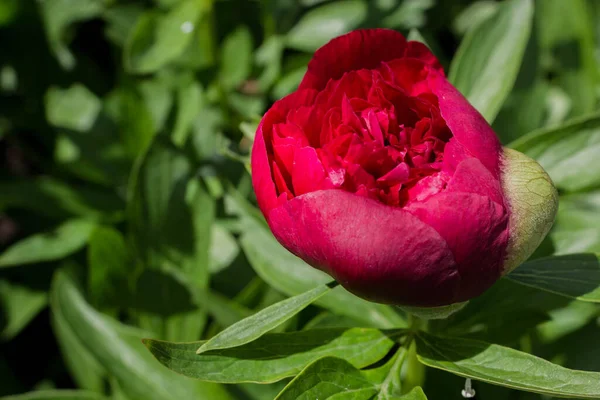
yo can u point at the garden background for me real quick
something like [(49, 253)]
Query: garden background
[(126, 206)]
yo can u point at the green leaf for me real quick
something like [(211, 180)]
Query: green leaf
[(171, 217), (75, 108), (206, 136), (486, 64), (566, 38), (120, 351), (53, 198), (503, 314), (83, 366), (574, 275), (528, 106), (566, 320), (120, 21), (88, 143), (415, 394), (174, 315), (321, 24), (189, 102), (416, 36), (289, 82), (136, 123), (274, 356), (269, 56), (329, 378), (263, 321), (408, 15), (223, 248), (569, 153), (389, 376), (66, 239), (171, 214), (473, 15), (158, 39), (110, 266), (58, 16), (290, 275), (159, 98), (236, 58), (576, 227), (57, 395), (9, 9), (335, 378), (505, 367), (19, 304)]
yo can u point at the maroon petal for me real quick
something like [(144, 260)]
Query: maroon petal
[(262, 177), (468, 126), (472, 177), (421, 52), (381, 253), (476, 230), (361, 49)]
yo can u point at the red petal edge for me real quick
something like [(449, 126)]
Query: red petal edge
[(362, 49), (380, 253)]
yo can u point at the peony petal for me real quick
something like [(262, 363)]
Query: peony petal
[(382, 253), (308, 173), (407, 73), (421, 52), (360, 49), (262, 179), (427, 187), (280, 182), (476, 230), (454, 154), (262, 176), (472, 177), (400, 174), (468, 127)]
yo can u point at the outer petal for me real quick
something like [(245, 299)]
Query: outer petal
[(468, 126), (362, 49), (476, 230), (421, 52), (381, 253), (262, 177), (472, 177)]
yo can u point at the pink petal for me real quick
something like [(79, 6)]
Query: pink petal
[(476, 230), (399, 174), (262, 177), (280, 182), (378, 252), (308, 174), (421, 52), (472, 177), (262, 180), (360, 49), (468, 126)]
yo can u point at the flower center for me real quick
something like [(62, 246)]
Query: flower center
[(374, 139)]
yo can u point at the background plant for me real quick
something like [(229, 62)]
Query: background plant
[(126, 209)]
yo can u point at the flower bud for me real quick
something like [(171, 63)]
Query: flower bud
[(380, 173)]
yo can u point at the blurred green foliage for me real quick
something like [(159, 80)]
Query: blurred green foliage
[(126, 203)]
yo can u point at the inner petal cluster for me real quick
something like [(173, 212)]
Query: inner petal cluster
[(376, 133)]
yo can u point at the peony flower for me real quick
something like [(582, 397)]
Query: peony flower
[(380, 173)]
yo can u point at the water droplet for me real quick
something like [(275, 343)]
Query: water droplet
[(187, 27)]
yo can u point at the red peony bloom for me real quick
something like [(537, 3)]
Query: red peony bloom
[(380, 173)]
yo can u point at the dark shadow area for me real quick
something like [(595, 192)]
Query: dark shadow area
[(572, 275)]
